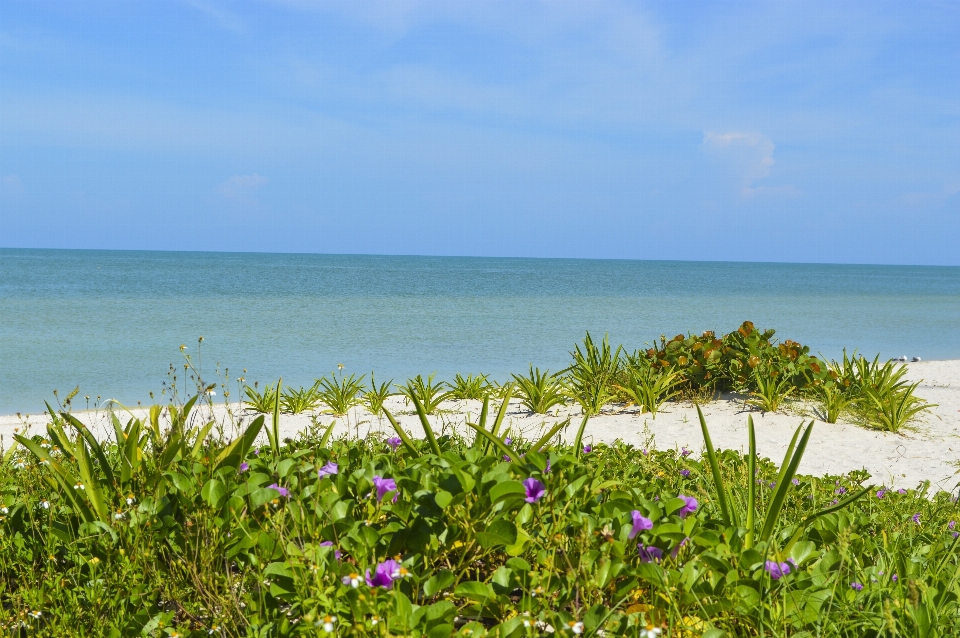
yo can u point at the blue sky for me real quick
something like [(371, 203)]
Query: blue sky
[(767, 131)]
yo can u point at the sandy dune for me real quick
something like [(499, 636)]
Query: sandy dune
[(928, 451)]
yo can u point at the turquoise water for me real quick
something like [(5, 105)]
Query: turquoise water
[(113, 321)]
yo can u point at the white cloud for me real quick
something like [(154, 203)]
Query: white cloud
[(241, 185), (749, 158)]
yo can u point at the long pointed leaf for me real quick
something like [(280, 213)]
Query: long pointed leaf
[(61, 478), (578, 442), (275, 426), (477, 440), (751, 485), (715, 470), (237, 450), (403, 435), (776, 504), (327, 434), (513, 456), (827, 510), (94, 444), (502, 412), (538, 446), (425, 422)]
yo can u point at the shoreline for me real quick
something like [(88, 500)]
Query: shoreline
[(928, 451)]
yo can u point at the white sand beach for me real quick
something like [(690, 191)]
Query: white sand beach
[(929, 450)]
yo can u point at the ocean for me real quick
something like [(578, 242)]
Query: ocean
[(112, 322)]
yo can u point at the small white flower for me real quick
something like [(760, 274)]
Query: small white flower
[(328, 623), (211, 393), (35, 613), (79, 486), (4, 510), (650, 632), (375, 620), (131, 500), (353, 580), (118, 516), (526, 623), (45, 504), (575, 627)]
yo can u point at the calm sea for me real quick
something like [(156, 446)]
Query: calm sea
[(112, 322)]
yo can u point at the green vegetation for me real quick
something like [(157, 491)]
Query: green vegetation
[(540, 391), (164, 530), (469, 387), (425, 393)]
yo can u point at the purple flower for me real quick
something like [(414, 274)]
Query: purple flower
[(508, 441), (916, 518), (684, 473), (901, 491), (881, 492), (795, 481), (394, 442), (283, 491), (244, 467), (336, 552), (649, 554), (840, 490), (385, 486), (777, 570), (535, 490), (548, 470), (640, 523), (587, 449), (894, 578), (951, 525), (506, 458), (689, 508), (684, 452), (645, 452), (384, 574), (856, 586), (256, 452), (329, 469)]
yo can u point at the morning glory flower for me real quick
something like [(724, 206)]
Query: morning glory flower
[(901, 491), (394, 442), (534, 489), (283, 491), (640, 523), (649, 554), (689, 507), (385, 486), (587, 449), (384, 574), (684, 473), (676, 550), (776, 570), (329, 469), (508, 441), (244, 467), (881, 492)]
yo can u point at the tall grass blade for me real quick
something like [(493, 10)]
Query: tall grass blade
[(477, 439), (91, 440), (233, 454)]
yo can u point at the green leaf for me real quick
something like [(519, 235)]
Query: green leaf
[(438, 582), (213, 493), (507, 489), (480, 592), (500, 533), (443, 499)]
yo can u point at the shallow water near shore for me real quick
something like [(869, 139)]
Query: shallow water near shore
[(112, 321)]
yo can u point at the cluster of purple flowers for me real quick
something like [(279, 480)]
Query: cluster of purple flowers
[(394, 442), (384, 574)]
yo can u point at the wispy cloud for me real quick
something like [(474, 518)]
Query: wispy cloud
[(240, 186)]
